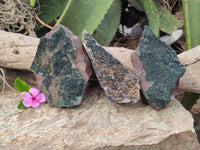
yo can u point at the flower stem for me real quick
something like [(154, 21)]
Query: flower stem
[(64, 12), (36, 16), (32, 2)]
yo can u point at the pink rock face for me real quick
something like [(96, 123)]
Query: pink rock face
[(139, 70), (81, 61), (140, 73)]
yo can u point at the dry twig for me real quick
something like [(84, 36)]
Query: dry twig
[(3, 78)]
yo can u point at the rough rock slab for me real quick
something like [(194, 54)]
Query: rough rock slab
[(119, 83), (62, 67), (96, 124), (158, 68)]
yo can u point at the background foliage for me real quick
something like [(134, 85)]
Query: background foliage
[(192, 32), (101, 18)]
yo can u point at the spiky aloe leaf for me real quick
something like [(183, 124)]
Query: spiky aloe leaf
[(84, 14), (152, 15), (137, 4), (151, 12), (168, 22), (108, 27)]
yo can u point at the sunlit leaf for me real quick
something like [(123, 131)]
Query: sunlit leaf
[(85, 15), (21, 86), (108, 27)]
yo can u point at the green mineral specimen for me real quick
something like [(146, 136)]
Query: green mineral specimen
[(61, 67), (119, 83), (162, 69)]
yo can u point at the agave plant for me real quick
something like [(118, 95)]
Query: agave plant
[(101, 18)]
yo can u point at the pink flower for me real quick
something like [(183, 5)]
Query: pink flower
[(33, 99)]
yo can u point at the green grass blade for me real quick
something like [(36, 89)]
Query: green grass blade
[(64, 12), (192, 13), (192, 32), (185, 12)]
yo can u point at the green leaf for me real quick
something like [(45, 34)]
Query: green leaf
[(108, 27), (21, 86), (51, 9), (152, 14), (21, 105), (168, 22), (137, 4), (85, 14)]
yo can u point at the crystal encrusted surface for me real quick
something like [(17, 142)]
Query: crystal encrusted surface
[(119, 83), (160, 71), (57, 74)]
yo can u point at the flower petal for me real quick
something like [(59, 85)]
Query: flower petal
[(41, 98), (27, 103), (26, 96), (35, 104), (34, 91)]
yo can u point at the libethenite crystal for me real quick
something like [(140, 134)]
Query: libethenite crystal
[(62, 68), (119, 83), (158, 68)]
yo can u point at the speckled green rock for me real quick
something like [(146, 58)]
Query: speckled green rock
[(158, 69), (119, 83), (62, 67)]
